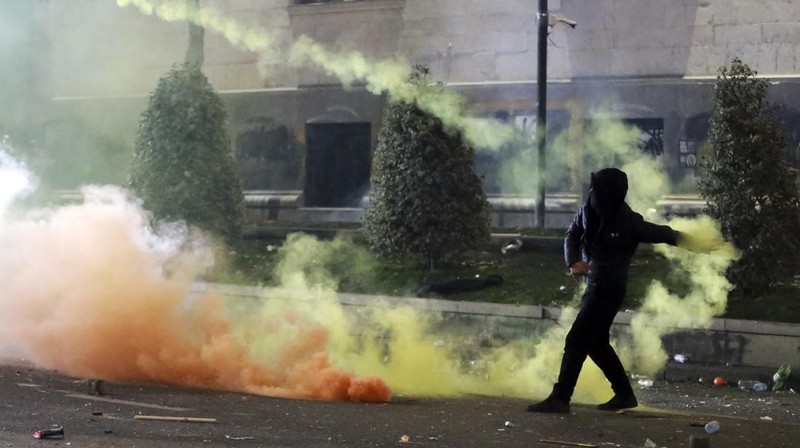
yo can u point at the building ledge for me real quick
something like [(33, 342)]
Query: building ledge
[(344, 6)]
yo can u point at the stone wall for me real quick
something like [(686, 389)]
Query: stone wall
[(496, 41), (99, 49)]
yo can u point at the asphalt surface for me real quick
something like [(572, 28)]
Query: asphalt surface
[(672, 412)]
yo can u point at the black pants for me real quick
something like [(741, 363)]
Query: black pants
[(589, 336)]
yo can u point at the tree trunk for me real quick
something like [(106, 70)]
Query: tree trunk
[(194, 53)]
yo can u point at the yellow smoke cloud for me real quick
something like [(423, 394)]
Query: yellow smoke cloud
[(391, 76), (409, 348), (404, 346), (251, 38), (703, 257)]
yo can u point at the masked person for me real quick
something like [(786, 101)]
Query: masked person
[(598, 248)]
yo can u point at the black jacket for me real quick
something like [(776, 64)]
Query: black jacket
[(606, 232)]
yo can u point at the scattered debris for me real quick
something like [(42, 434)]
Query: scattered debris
[(755, 385), (508, 424), (97, 413), (781, 375), (646, 383), (720, 381), (405, 439), (561, 442), (649, 444), (165, 418), (238, 438), (511, 247), (681, 358), (712, 427), (766, 418), (49, 433), (108, 431)]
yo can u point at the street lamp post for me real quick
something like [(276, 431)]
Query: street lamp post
[(541, 115)]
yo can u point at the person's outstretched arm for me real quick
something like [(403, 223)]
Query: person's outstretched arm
[(647, 232), (654, 234)]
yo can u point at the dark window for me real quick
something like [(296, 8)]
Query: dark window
[(651, 140), (269, 156)]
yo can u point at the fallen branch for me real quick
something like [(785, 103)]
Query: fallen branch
[(165, 418)]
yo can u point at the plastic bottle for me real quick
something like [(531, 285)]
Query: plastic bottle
[(780, 376), (746, 384), (759, 387), (712, 427)]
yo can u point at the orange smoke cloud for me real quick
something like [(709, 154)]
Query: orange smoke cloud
[(88, 291)]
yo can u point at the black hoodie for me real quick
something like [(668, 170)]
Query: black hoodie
[(606, 232)]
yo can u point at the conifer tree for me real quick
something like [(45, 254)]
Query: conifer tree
[(426, 198), (183, 166), (748, 183)]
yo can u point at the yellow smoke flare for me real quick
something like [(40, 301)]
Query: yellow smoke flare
[(663, 312)]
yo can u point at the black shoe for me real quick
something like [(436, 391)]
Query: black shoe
[(550, 405), (619, 402)]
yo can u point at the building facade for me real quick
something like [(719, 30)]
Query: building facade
[(651, 63)]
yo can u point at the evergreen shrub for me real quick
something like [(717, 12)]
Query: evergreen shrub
[(183, 166), (749, 184), (426, 199)]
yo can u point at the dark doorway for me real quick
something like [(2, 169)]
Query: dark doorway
[(337, 163)]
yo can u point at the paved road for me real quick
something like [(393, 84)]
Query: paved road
[(35, 399)]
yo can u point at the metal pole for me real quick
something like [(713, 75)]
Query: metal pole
[(541, 115)]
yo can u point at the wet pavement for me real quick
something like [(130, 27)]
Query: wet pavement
[(672, 413)]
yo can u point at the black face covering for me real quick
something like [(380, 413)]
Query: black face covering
[(607, 192)]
